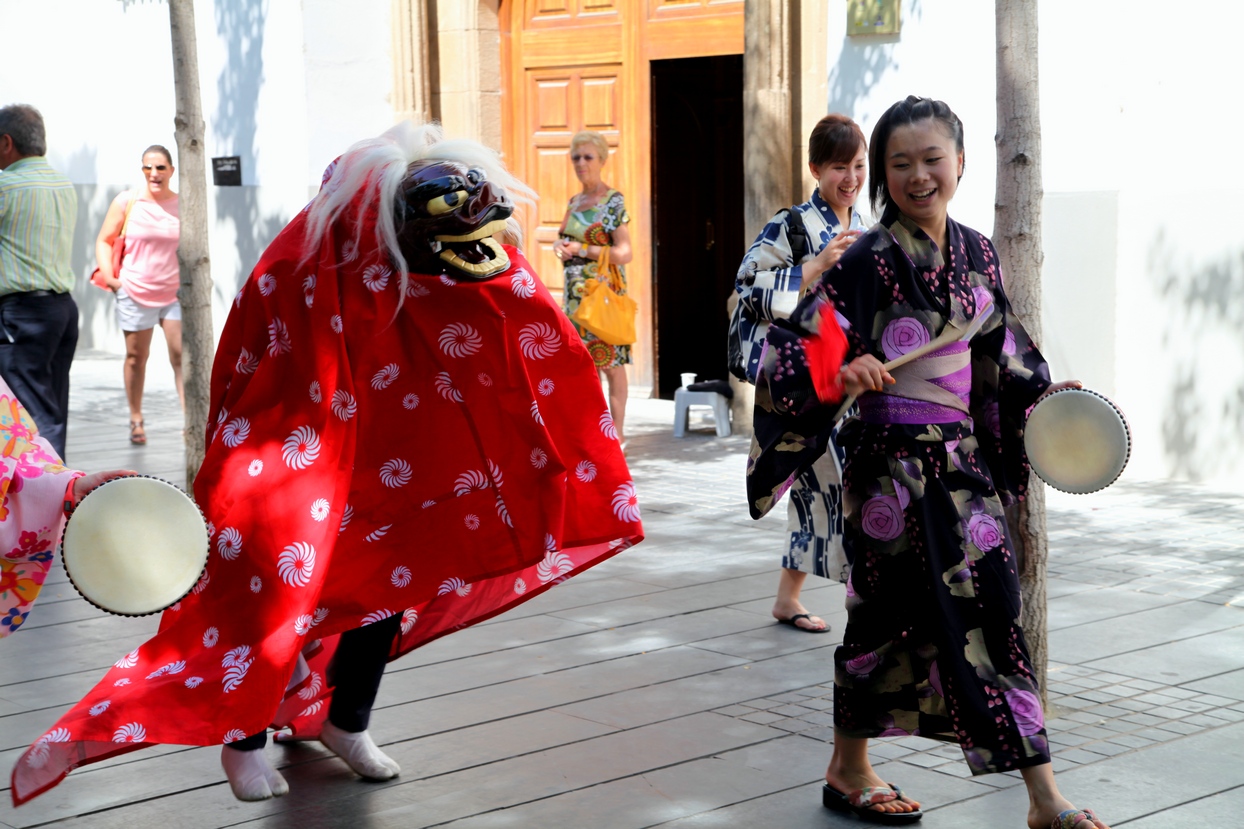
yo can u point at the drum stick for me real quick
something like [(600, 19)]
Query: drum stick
[(950, 334)]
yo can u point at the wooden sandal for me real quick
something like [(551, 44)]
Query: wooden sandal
[(138, 435)]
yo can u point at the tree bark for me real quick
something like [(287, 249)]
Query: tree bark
[(195, 294), (1017, 236)]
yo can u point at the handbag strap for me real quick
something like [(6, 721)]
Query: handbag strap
[(128, 209)]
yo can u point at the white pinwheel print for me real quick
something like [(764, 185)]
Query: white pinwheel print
[(553, 566), (229, 543), (375, 616), (384, 378), (607, 427), (125, 680), (460, 340), (545, 387), (484, 380), (539, 458), (409, 617), (336, 323), (256, 584), (470, 480), (410, 401), (395, 473), (38, 756), (167, 670), (344, 404), (447, 281), (133, 732), (236, 663), (376, 277), (314, 391), (346, 518), (235, 432), (267, 284), (312, 709), (539, 340), (313, 687), (415, 290), (320, 509), (472, 521), (210, 637), (400, 576), (520, 586), (523, 284), (193, 681), (585, 471), (503, 513), (301, 448), (296, 563), (535, 413), (626, 503), (127, 661), (255, 468), (452, 585), (445, 387), (303, 624), (378, 533), (233, 735), (247, 363), (99, 708), (550, 543), (308, 290), (279, 341), (495, 472)]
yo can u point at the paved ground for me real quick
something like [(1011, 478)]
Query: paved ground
[(655, 690)]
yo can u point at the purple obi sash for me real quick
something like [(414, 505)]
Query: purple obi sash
[(930, 389)]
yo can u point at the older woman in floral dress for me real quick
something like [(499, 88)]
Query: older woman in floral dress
[(596, 220)]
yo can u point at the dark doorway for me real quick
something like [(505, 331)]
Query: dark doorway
[(697, 212)]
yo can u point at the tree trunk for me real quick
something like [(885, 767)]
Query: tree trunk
[(195, 294), (1017, 235)]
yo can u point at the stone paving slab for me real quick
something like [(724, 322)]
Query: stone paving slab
[(657, 690)]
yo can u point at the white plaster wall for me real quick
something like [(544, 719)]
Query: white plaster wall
[(285, 85), (1144, 273)]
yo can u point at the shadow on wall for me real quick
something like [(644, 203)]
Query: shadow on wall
[(97, 319), (240, 24), (1203, 420), (862, 63)]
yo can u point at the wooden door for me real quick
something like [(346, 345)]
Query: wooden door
[(570, 65)]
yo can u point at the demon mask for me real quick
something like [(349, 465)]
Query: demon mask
[(447, 215)]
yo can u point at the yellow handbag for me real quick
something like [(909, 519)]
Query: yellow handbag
[(604, 312)]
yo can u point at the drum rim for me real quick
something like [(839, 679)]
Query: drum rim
[(65, 564), (1127, 431)]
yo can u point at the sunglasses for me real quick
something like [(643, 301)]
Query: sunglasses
[(159, 168)]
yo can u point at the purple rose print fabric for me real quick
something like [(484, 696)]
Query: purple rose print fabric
[(932, 646)]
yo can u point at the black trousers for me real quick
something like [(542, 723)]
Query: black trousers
[(354, 672), (38, 334)]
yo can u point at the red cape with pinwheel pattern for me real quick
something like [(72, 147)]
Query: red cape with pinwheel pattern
[(446, 458)]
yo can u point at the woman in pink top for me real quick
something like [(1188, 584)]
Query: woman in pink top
[(146, 287)]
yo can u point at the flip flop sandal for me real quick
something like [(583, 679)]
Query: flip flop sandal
[(138, 435), (859, 801), (1068, 818), (793, 619)]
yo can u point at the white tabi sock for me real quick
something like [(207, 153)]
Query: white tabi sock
[(251, 776), (359, 752)]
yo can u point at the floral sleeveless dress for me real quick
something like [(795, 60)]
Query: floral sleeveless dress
[(594, 225)]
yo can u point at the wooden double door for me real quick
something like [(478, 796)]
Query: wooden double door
[(572, 65)]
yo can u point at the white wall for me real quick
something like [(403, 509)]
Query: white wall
[(1144, 271), (285, 85)]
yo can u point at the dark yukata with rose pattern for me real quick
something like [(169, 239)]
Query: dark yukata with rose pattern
[(933, 645)]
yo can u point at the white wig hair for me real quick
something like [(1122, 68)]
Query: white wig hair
[(375, 169)]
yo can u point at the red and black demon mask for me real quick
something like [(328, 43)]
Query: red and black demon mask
[(447, 214)]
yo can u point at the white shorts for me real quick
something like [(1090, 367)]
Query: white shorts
[(134, 317)]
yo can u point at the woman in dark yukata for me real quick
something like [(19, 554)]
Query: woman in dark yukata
[(933, 645)]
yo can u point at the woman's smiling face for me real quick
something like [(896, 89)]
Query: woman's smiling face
[(922, 170), (839, 182)]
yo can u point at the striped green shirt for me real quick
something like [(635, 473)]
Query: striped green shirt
[(38, 209)]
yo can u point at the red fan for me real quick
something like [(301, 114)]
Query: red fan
[(825, 351)]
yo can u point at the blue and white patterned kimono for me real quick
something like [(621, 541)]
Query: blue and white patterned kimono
[(768, 288)]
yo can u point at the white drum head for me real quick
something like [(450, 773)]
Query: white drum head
[(1077, 441), (135, 546)]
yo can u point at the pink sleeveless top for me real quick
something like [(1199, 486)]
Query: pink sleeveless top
[(149, 271)]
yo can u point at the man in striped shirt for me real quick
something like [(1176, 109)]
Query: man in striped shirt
[(38, 317)]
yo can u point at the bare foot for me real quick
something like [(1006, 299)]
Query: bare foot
[(849, 781), (1042, 816), (788, 610)]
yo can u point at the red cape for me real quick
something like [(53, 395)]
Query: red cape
[(446, 459)]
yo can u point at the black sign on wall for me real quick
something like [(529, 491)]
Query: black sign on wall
[(227, 171)]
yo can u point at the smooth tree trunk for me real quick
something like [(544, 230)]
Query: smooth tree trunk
[(1017, 235), (195, 294)]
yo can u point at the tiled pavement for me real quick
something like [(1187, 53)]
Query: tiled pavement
[(655, 690)]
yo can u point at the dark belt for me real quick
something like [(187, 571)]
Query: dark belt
[(17, 294)]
